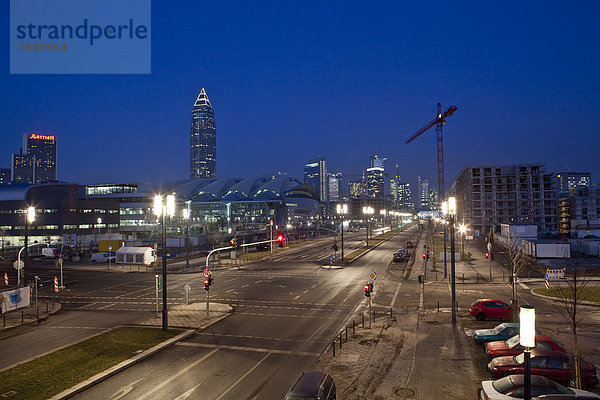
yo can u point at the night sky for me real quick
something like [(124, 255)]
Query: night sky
[(292, 80)]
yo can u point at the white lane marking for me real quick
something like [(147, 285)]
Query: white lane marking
[(296, 298), (106, 306), (187, 394), (244, 348), (524, 286), (395, 294), (183, 371), (124, 390), (245, 286), (243, 376)]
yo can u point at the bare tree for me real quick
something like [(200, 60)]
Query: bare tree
[(517, 262), (215, 238), (569, 297)]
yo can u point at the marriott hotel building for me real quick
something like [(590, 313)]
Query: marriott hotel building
[(36, 161)]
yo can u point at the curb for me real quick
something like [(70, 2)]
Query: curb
[(374, 247), (120, 367), (551, 298)]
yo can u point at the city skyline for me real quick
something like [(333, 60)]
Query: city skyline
[(518, 102)]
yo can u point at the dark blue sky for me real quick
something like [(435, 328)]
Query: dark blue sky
[(292, 80)]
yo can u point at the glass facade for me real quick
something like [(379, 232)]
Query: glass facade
[(203, 139), (315, 173)]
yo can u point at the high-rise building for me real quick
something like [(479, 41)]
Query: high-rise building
[(357, 188), (424, 194), (375, 181), (405, 201), (4, 175), (487, 196), (567, 182), (37, 161), (203, 139), (315, 173), (335, 186), (376, 162)]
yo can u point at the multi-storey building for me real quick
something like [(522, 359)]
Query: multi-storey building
[(567, 182), (357, 188), (5, 175), (375, 182), (37, 161), (315, 173), (488, 196), (580, 212), (424, 191), (335, 186), (203, 139)]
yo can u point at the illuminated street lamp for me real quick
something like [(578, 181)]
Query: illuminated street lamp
[(445, 215), (186, 218), (452, 214), (527, 340), (342, 209), (368, 211), (99, 221), (29, 219), (163, 211), (462, 229)]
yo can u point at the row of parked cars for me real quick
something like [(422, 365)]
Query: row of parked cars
[(552, 368), (402, 254)]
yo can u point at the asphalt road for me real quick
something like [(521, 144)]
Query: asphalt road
[(286, 313)]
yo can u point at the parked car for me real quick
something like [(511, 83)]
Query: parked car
[(103, 257), (555, 365), (503, 331), (50, 252), (491, 309), (409, 244), (312, 385), (511, 347), (512, 387)]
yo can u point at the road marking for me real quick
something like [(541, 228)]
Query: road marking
[(245, 286), (395, 294), (124, 390), (243, 376), (245, 348), (106, 306), (296, 298), (524, 286), (183, 371), (306, 291)]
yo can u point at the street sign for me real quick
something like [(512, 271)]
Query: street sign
[(206, 273), (19, 264), (372, 275), (555, 273)]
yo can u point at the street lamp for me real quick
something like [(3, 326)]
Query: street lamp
[(527, 340), (99, 220), (462, 229), (163, 211), (29, 219), (445, 213), (452, 213), (368, 211), (186, 217), (342, 209)]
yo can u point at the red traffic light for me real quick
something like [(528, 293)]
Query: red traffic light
[(487, 255), (368, 290), (206, 282), (425, 255), (280, 238)]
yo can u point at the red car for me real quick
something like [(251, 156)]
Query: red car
[(491, 308), (409, 244), (511, 347), (555, 365)]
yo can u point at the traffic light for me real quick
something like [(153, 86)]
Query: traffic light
[(233, 242), (368, 290), (428, 256), (280, 240), (371, 287), (207, 282), (424, 255), (487, 254), (335, 246)]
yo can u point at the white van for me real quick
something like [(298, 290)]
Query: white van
[(103, 257), (49, 252)]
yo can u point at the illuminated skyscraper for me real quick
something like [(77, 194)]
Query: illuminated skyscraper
[(37, 161), (315, 173), (335, 186), (203, 139), (375, 184)]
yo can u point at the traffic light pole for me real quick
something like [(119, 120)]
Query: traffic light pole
[(453, 269), (165, 323)]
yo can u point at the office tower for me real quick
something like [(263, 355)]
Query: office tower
[(375, 182), (203, 139), (335, 186), (405, 202), (315, 173), (424, 194), (487, 196), (37, 161), (567, 182), (357, 188), (376, 162)]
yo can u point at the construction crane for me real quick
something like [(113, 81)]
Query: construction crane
[(439, 121)]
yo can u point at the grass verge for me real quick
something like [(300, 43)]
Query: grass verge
[(51, 374), (588, 293)]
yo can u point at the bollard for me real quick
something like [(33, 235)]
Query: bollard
[(3, 320), (391, 312), (46, 307), (333, 347), (477, 277), (22, 317), (436, 276), (353, 331), (463, 278), (438, 307), (363, 320), (374, 312), (346, 334), (340, 340)]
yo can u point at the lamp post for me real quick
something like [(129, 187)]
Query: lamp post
[(368, 211), (99, 221), (163, 211), (452, 213), (444, 220), (29, 219), (186, 217), (462, 229), (342, 209), (527, 340)]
